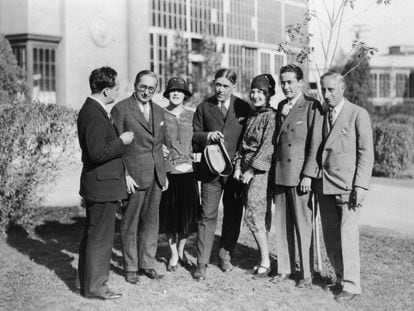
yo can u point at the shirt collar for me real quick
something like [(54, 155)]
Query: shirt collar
[(226, 103), (338, 107), (294, 100), (99, 102)]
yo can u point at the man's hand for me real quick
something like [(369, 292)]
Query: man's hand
[(247, 176), (166, 184), (237, 174), (305, 184), (214, 137), (356, 197), (131, 184), (165, 151), (127, 137)]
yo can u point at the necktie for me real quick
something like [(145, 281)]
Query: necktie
[(223, 110), (286, 109), (110, 118), (331, 117), (146, 112)]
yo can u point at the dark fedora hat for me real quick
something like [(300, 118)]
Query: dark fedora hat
[(217, 159), (177, 84)]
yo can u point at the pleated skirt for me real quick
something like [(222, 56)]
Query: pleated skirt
[(180, 205)]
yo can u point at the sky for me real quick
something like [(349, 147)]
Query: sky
[(382, 25)]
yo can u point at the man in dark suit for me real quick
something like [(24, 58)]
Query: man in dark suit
[(102, 182), (146, 176), (346, 158), (221, 117), (295, 166)]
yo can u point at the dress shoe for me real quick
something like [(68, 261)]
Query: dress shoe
[(200, 272), (304, 283), (280, 278), (224, 260), (345, 296), (183, 261), (150, 273), (131, 277), (261, 272), (108, 295)]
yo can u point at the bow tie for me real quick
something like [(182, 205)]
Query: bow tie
[(286, 108)]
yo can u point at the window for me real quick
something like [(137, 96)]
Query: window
[(240, 20), (401, 85), (243, 61), (36, 54), (206, 17), (264, 63), (384, 85), (170, 14), (374, 85), (269, 18), (159, 57), (278, 63)]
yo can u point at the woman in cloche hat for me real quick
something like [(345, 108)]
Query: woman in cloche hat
[(180, 205), (254, 158)]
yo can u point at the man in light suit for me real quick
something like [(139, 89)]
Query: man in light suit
[(146, 176), (346, 158), (102, 182), (221, 117), (295, 166)]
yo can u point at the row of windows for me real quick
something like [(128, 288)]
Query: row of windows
[(159, 57), (207, 17), (382, 84)]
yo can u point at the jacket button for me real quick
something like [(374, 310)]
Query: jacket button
[(290, 145), (289, 160)]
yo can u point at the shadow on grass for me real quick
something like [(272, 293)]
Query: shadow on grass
[(50, 245)]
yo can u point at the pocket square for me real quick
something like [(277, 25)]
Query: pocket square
[(162, 123), (299, 122)]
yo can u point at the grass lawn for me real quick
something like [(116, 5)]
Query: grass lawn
[(37, 272)]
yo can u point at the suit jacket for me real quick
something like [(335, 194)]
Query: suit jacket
[(144, 156), (102, 177), (295, 145), (346, 157), (208, 118)]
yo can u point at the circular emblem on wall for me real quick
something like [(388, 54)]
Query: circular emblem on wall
[(100, 31)]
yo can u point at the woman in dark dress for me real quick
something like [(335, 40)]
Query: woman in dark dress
[(180, 203), (254, 158)]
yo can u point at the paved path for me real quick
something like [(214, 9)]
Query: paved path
[(386, 206)]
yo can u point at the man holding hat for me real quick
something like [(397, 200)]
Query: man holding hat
[(219, 118)]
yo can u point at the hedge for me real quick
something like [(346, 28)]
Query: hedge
[(35, 141), (393, 145)]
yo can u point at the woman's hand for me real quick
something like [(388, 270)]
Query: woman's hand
[(247, 176)]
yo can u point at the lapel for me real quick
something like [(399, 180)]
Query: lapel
[(157, 118), (214, 110), (340, 123), (137, 113), (231, 112), (295, 111)]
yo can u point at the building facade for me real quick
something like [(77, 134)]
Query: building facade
[(392, 76), (58, 43)]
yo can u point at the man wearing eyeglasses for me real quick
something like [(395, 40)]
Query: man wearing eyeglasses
[(145, 176)]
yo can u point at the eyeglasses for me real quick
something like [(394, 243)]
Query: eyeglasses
[(143, 88)]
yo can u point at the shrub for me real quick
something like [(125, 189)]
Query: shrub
[(35, 141), (11, 75), (393, 144)]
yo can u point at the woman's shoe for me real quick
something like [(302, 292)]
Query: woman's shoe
[(183, 261), (261, 272), (171, 268)]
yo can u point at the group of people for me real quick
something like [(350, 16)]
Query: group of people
[(138, 157)]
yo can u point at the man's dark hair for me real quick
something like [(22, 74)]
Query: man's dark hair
[(226, 73), (102, 78), (292, 68), (144, 73)]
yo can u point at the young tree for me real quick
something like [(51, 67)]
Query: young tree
[(178, 63), (357, 76), (328, 22)]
